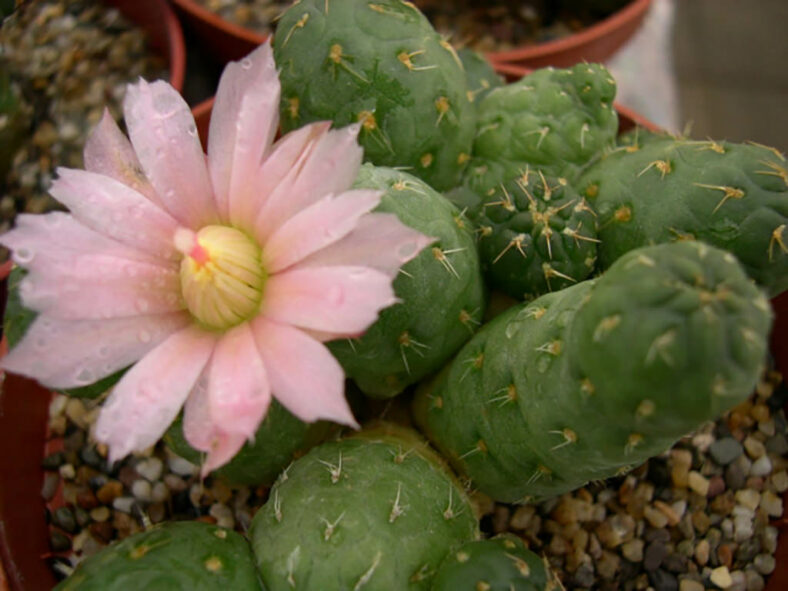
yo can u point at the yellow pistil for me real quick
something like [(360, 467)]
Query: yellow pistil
[(222, 277)]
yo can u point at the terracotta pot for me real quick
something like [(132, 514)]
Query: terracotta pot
[(228, 41), (225, 41), (594, 44), (164, 32)]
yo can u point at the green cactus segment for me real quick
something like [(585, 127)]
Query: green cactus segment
[(502, 563), (372, 512), (583, 383), (536, 234), (380, 64), (177, 556), (441, 292), (479, 73), (555, 120), (733, 196), (279, 439)]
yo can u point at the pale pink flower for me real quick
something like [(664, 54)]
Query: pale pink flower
[(220, 277)]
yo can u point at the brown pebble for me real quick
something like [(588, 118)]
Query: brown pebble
[(754, 483), (127, 476), (206, 519), (85, 473), (86, 499), (723, 504), (500, 519), (667, 510), (725, 555), (109, 492), (102, 531), (760, 412), (565, 512), (702, 552), (558, 546), (701, 522), (608, 564), (522, 517), (580, 539), (716, 486)]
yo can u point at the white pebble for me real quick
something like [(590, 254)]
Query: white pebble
[(772, 504), (761, 467), (223, 515), (742, 527), (141, 489), (174, 482), (181, 466), (58, 406), (150, 468), (123, 504), (721, 577), (780, 481), (67, 471), (160, 492), (748, 498)]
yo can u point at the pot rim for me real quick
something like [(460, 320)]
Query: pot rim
[(633, 11)]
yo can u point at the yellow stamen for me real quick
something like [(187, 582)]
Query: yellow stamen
[(222, 277)]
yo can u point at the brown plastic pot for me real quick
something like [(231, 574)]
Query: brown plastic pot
[(597, 43), (226, 41), (164, 32)]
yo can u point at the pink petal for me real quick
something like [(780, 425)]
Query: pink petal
[(304, 375), (117, 211), (40, 242), (72, 353), (379, 240), (330, 167), (329, 299), (201, 432), (164, 136), (238, 387), (315, 227), (244, 121), (95, 286), (109, 152), (148, 398)]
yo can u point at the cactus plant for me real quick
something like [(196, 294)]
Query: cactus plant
[(479, 73), (376, 511), (659, 189), (178, 556), (382, 65), (279, 439), (555, 120), (536, 234), (584, 383), (441, 292), (502, 563)]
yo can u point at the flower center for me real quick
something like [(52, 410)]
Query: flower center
[(222, 278)]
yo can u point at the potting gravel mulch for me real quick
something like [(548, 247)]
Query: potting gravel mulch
[(67, 61), (481, 25), (701, 515)]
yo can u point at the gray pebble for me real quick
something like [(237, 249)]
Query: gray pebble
[(150, 468), (737, 471), (181, 466), (764, 563), (761, 467), (141, 489), (675, 563), (64, 518), (725, 450), (778, 444), (124, 504), (755, 580), (59, 542), (584, 576), (49, 488), (662, 580), (654, 555)]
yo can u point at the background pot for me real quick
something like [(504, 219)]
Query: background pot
[(224, 40), (228, 41), (594, 44), (163, 29)]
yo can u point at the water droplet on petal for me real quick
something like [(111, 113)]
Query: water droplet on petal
[(41, 343), (23, 255), (103, 351), (246, 63), (144, 336), (192, 130), (85, 376)]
